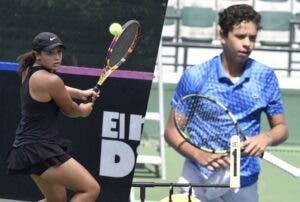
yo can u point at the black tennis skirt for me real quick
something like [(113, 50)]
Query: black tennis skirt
[(35, 158)]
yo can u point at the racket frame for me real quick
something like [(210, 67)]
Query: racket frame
[(185, 136), (107, 69), (267, 156)]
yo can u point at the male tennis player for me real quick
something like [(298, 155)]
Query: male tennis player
[(247, 88)]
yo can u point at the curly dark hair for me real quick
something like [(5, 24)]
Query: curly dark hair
[(235, 14)]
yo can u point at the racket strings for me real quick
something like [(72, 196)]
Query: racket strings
[(207, 124), (124, 43)]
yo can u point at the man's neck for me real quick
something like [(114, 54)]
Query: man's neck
[(233, 69)]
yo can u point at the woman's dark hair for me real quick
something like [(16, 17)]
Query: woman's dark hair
[(25, 60), (235, 14)]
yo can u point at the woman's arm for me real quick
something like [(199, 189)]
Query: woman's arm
[(76, 93), (45, 86)]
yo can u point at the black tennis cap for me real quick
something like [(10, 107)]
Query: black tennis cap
[(46, 41)]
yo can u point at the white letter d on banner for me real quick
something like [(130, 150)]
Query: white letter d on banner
[(117, 159)]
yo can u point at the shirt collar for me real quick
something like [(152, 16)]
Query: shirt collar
[(222, 74)]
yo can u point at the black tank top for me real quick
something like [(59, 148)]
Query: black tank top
[(39, 119)]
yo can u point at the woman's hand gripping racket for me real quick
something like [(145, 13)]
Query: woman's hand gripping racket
[(120, 48), (211, 127)]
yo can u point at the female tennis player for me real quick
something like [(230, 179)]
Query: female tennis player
[(38, 150)]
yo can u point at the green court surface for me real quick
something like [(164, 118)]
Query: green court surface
[(274, 185)]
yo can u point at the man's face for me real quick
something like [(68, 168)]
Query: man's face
[(240, 41)]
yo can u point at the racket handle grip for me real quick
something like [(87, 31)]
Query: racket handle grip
[(96, 89)]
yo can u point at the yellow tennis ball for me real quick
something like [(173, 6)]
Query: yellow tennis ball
[(115, 29)]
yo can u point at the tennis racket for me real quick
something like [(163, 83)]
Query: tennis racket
[(209, 126), (120, 48)]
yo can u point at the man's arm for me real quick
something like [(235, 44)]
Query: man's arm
[(256, 145)]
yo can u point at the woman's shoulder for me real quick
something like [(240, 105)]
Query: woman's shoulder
[(45, 78)]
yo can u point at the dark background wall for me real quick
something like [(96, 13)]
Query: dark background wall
[(82, 25)]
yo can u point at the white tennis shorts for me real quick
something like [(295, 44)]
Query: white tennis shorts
[(190, 174)]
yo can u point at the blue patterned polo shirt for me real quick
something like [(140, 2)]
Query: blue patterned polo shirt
[(255, 92)]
